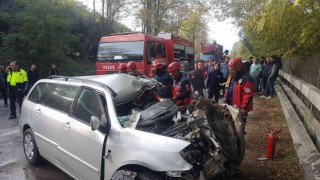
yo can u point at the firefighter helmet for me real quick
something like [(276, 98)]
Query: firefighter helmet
[(157, 64), (131, 65), (174, 66), (235, 63), (122, 67)]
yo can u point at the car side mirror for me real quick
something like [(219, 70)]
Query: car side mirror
[(94, 123)]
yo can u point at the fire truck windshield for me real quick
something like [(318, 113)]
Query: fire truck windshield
[(121, 51), (206, 56)]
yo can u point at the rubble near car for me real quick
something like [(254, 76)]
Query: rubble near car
[(215, 133)]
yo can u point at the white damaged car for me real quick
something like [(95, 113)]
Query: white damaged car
[(116, 127)]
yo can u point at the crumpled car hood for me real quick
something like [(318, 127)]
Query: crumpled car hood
[(125, 86)]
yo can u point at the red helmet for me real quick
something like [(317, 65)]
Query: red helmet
[(157, 64), (174, 66), (122, 67), (235, 63), (131, 65)]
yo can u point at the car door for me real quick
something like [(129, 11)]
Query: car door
[(49, 116), (80, 148)]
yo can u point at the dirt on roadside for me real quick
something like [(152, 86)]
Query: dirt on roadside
[(266, 116)]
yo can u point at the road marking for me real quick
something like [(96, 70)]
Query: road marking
[(9, 131)]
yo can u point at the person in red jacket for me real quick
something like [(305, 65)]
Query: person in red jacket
[(181, 90), (241, 88)]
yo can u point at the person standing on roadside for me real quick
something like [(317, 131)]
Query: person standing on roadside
[(225, 71), (255, 71), (197, 79), (247, 64), (3, 85), (215, 79), (240, 92), (265, 74), (17, 79), (274, 70), (33, 76), (54, 70)]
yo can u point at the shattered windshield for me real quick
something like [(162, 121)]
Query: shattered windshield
[(117, 51)]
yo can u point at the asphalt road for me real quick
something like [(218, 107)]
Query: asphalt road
[(13, 164)]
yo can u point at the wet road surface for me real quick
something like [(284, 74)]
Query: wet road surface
[(13, 164)]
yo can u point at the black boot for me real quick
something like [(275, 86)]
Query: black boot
[(12, 116)]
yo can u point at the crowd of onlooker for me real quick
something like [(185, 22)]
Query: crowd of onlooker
[(214, 76)]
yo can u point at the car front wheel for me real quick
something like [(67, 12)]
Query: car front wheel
[(30, 148)]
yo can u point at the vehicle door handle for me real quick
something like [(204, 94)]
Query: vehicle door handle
[(67, 124), (38, 111)]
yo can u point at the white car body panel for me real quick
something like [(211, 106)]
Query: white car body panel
[(77, 149)]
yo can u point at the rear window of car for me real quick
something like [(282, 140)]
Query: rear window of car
[(39, 91), (61, 97)]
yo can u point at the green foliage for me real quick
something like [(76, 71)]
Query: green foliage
[(276, 26), (48, 32)]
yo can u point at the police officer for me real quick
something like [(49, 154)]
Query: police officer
[(17, 79), (181, 90), (163, 77)]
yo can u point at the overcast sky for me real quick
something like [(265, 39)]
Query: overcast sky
[(224, 33)]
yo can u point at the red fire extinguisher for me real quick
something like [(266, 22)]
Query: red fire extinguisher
[(273, 143)]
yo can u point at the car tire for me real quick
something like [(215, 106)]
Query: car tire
[(30, 148)]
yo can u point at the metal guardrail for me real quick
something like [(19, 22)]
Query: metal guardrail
[(303, 126)]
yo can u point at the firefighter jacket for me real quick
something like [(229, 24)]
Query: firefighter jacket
[(17, 79), (166, 81), (181, 90), (242, 92)]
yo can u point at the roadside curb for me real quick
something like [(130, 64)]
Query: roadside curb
[(309, 157)]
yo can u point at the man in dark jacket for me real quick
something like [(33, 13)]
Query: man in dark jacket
[(197, 79), (54, 70), (3, 85), (163, 77), (33, 76), (215, 79), (247, 64), (265, 73), (274, 70)]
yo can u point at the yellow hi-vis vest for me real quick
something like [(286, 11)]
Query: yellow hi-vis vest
[(17, 78)]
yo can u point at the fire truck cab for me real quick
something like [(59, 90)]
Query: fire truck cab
[(143, 49)]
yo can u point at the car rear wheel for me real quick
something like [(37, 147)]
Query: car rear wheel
[(30, 148)]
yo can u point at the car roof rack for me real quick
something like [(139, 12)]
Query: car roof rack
[(66, 78)]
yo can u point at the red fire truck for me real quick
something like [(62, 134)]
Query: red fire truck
[(142, 49), (209, 52)]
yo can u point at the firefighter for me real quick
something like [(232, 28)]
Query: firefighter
[(132, 68), (240, 91), (122, 68), (163, 77), (181, 90), (17, 79)]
